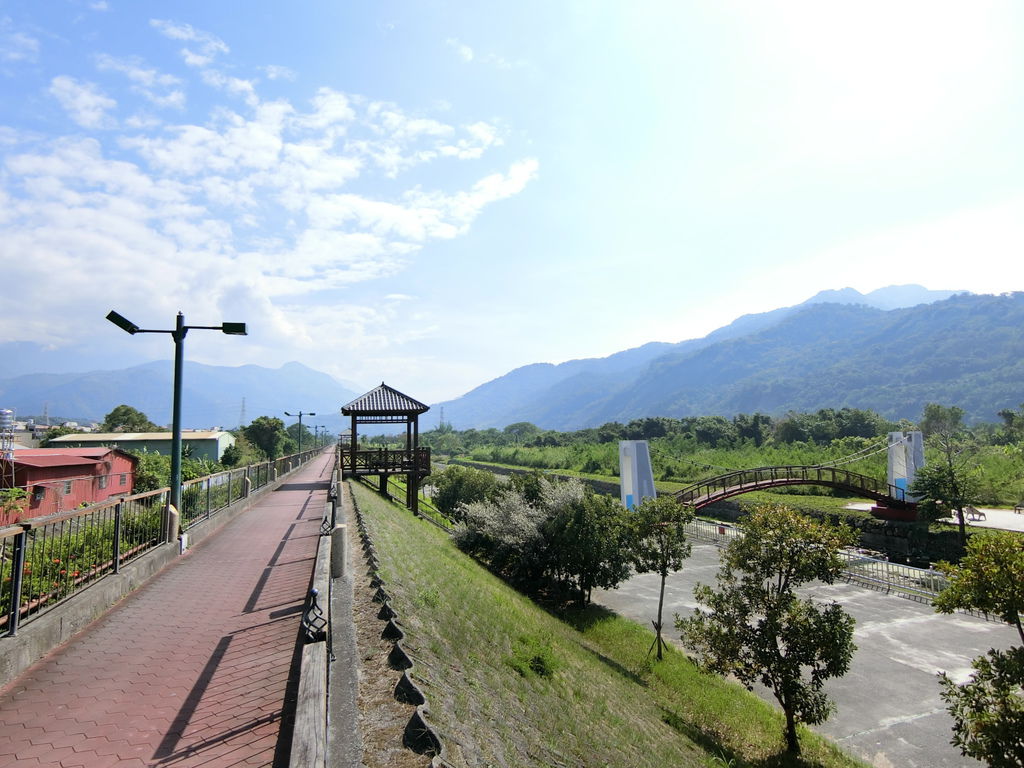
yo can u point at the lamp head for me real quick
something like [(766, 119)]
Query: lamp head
[(123, 322), (234, 329)]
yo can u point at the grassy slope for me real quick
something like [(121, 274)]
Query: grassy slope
[(607, 703)]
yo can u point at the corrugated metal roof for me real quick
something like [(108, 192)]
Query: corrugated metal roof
[(384, 400), (125, 437), (96, 452), (56, 460)]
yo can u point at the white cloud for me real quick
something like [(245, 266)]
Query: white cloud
[(100, 5), (159, 88), (463, 50), (16, 45), (233, 85), (84, 102), (259, 208), (276, 72), (209, 46)]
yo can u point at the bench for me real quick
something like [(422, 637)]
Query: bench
[(975, 514), (1019, 509)]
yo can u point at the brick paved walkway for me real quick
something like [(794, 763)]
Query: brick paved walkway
[(194, 668)]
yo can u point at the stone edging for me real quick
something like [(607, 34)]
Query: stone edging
[(419, 736)]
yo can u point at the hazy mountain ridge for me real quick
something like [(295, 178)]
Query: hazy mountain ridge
[(211, 395), (963, 349)]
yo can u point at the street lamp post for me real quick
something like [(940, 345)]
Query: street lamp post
[(178, 335), (300, 414), (323, 435)]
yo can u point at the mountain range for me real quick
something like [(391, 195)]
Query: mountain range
[(211, 395), (891, 351)]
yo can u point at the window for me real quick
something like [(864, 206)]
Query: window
[(38, 493), (67, 487), (103, 482), (123, 480)]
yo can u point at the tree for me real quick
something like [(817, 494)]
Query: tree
[(757, 628), (988, 710), (266, 433), (521, 432), (124, 418), (455, 486), (659, 545), (152, 471), (300, 434), (54, 432), (12, 504), (952, 483), (588, 537)]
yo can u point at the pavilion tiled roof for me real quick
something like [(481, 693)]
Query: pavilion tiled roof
[(384, 401)]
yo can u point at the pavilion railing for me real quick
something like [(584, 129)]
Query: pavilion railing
[(387, 460)]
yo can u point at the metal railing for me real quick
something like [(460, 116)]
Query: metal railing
[(204, 497), (45, 560), (745, 480), (919, 583)]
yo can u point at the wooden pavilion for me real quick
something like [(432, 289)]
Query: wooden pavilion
[(384, 405)]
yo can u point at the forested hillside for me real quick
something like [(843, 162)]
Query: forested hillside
[(967, 350)]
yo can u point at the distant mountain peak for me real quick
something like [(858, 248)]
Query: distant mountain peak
[(888, 297)]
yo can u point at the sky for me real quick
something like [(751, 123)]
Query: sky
[(433, 193)]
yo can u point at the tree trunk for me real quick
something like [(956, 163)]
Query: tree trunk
[(962, 520), (661, 602), (792, 743)]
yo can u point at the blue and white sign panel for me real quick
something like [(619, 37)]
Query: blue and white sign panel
[(635, 474)]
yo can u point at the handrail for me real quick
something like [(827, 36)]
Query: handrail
[(44, 560), (745, 480), (71, 514)]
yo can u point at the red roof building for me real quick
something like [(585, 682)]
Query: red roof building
[(59, 479)]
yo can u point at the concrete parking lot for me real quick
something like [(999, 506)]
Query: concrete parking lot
[(889, 709)]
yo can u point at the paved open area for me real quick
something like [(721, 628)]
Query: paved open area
[(889, 709), (197, 667)]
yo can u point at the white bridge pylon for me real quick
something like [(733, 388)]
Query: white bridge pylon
[(906, 456)]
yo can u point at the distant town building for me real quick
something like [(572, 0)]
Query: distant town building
[(59, 479), (194, 444)]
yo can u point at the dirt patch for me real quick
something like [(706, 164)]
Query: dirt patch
[(382, 719)]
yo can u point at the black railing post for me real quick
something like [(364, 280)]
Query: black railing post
[(17, 580), (116, 555), (229, 488), (209, 502)]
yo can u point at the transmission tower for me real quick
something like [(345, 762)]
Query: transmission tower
[(241, 415), (7, 442)]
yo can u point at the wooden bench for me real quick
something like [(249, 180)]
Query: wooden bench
[(1019, 509), (975, 514)]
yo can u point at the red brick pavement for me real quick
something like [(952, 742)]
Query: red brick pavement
[(194, 669)]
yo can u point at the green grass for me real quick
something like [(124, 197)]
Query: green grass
[(508, 683)]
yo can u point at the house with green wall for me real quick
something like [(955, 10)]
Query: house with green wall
[(195, 444)]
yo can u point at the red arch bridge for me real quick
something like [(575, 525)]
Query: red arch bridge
[(741, 481)]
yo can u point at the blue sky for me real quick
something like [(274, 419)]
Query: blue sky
[(433, 193)]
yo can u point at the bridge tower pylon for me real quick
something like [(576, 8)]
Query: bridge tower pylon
[(906, 456)]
